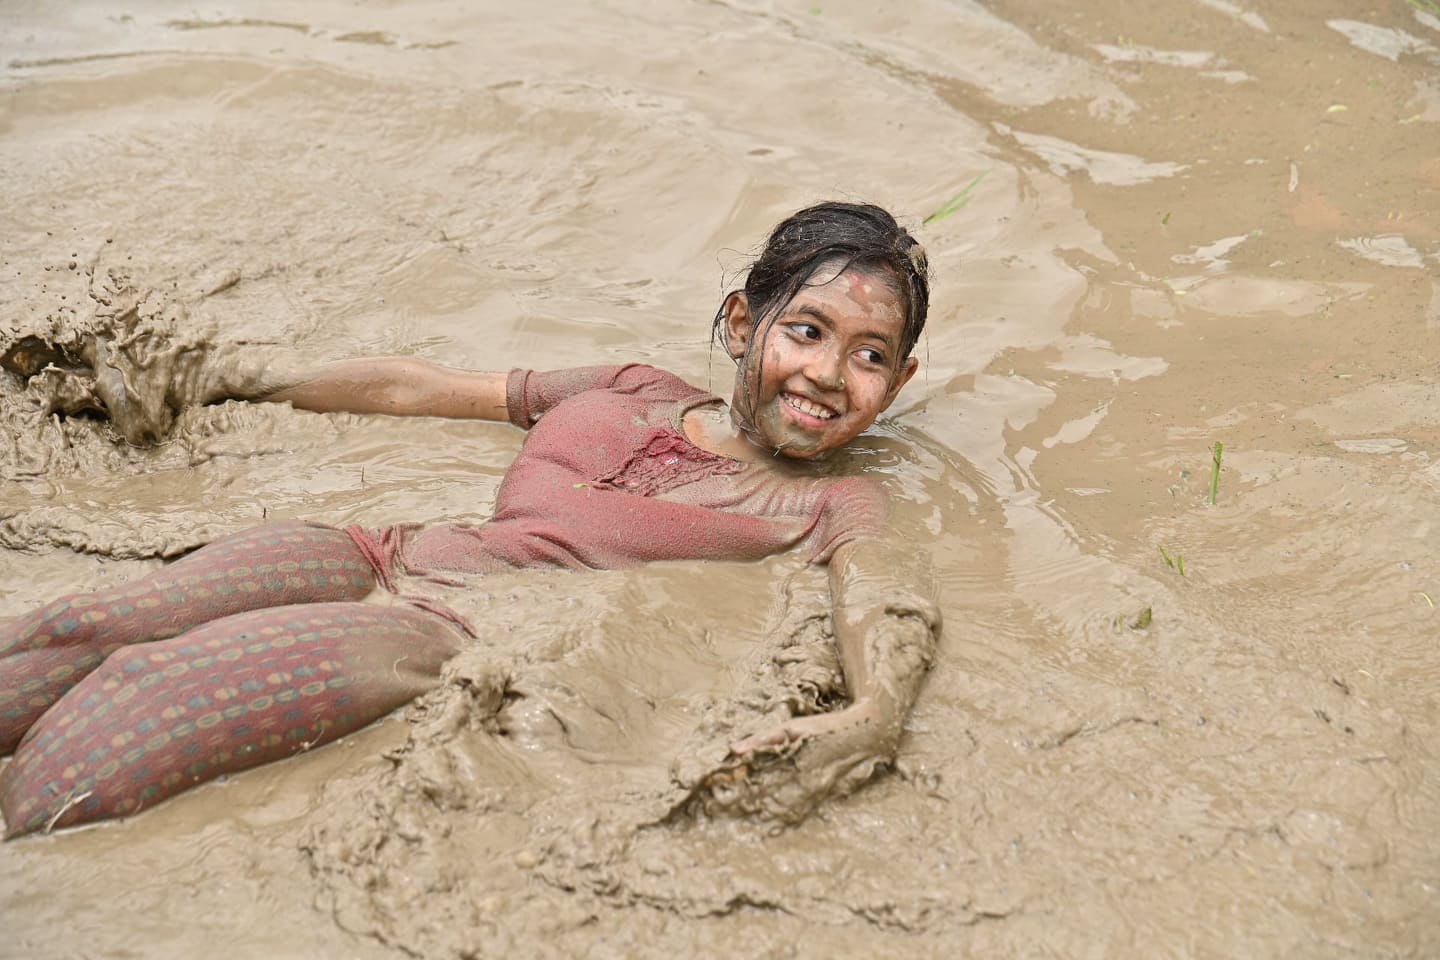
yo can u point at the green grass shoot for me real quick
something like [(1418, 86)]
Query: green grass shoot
[(1176, 563), (1215, 472), (1429, 6), (957, 202), (1140, 621)]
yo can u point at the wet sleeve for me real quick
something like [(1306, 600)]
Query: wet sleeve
[(530, 393), (851, 509)]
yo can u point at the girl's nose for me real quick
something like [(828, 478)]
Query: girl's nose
[(827, 372)]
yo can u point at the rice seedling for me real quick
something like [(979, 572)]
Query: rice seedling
[(1176, 562), (1215, 472), (1140, 621), (957, 202)]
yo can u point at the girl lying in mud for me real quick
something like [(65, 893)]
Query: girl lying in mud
[(262, 644)]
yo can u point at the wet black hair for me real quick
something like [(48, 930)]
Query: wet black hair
[(859, 235)]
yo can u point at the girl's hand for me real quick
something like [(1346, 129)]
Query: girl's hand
[(795, 731), (786, 772)]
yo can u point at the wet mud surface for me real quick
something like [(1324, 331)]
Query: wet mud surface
[(1157, 726)]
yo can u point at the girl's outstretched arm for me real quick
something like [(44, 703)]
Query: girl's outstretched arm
[(144, 383), (886, 626), (399, 386)]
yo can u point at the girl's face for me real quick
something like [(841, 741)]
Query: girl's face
[(824, 368)]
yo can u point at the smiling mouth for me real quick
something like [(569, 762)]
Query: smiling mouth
[(809, 407)]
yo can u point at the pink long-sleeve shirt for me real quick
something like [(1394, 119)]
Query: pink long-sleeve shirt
[(607, 478)]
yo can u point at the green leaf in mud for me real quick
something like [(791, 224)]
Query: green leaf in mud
[(957, 202), (1215, 471), (1176, 562), (1138, 622)]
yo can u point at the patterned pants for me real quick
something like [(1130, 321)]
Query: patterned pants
[(254, 648)]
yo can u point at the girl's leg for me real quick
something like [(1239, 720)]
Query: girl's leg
[(47, 652), (232, 694)]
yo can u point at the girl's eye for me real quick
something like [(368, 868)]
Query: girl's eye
[(871, 355), (806, 331)]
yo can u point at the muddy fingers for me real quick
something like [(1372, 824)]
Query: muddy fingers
[(785, 781)]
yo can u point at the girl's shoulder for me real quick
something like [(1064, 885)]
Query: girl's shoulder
[(851, 507), (842, 499), (634, 377), (532, 393), (857, 492)]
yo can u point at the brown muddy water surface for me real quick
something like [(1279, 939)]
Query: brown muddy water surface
[(1196, 221)]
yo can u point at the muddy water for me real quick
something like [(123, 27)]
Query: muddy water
[(1196, 221)]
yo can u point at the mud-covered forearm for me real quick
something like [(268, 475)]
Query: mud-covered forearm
[(393, 385), (886, 626), (145, 382), (891, 655), (243, 371)]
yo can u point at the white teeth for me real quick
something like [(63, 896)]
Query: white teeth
[(807, 407)]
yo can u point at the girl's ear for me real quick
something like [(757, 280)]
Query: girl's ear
[(737, 324), (902, 377)]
